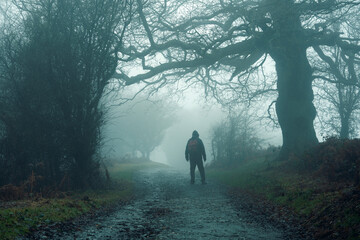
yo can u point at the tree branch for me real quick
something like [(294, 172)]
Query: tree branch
[(242, 48)]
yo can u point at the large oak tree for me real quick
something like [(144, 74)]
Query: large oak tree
[(205, 39)]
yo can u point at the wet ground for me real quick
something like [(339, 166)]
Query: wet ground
[(168, 207)]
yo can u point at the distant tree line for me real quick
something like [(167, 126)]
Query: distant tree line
[(235, 139), (56, 61), (138, 127)]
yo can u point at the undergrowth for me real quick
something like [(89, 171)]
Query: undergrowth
[(322, 188), (19, 217)]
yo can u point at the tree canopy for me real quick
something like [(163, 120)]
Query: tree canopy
[(226, 43)]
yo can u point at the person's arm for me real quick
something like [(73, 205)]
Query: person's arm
[(187, 152), (203, 153)]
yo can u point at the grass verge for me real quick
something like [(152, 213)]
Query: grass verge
[(17, 218), (331, 210)]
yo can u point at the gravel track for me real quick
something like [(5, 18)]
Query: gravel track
[(168, 207)]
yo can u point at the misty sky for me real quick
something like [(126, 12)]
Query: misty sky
[(194, 113), (195, 116)]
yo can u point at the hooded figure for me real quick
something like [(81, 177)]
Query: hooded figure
[(194, 152)]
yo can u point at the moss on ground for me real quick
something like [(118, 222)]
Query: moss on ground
[(24, 215), (269, 180), (324, 204)]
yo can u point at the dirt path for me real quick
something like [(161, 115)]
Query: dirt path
[(168, 207)]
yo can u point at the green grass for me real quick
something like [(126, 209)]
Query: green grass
[(248, 176), (351, 218), (16, 221), (28, 214), (310, 196), (271, 181)]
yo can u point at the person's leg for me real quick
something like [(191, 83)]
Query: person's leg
[(201, 170), (192, 170)]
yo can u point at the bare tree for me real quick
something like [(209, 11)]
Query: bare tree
[(235, 138), (143, 126), (205, 40), (337, 91), (337, 81)]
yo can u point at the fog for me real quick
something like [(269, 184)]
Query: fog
[(193, 111), (93, 91), (172, 148)]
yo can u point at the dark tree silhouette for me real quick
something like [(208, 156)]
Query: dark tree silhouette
[(203, 40), (339, 88), (337, 81), (55, 66)]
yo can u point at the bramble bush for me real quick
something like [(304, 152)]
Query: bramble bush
[(336, 159)]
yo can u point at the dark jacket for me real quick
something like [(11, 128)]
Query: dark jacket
[(198, 154)]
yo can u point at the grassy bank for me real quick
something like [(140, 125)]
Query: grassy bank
[(273, 182), (331, 210), (19, 217)]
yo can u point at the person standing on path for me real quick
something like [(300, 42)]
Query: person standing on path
[(194, 152)]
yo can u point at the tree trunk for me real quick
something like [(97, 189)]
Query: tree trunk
[(345, 127), (294, 106)]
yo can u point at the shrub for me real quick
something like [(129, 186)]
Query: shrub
[(336, 159)]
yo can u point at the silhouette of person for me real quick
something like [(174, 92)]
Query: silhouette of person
[(194, 152)]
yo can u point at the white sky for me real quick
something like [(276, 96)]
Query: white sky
[(198, 115)]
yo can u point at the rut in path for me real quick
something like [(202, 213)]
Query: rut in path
[(168, 207)]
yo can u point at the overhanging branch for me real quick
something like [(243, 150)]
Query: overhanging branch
[(245, 48)]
